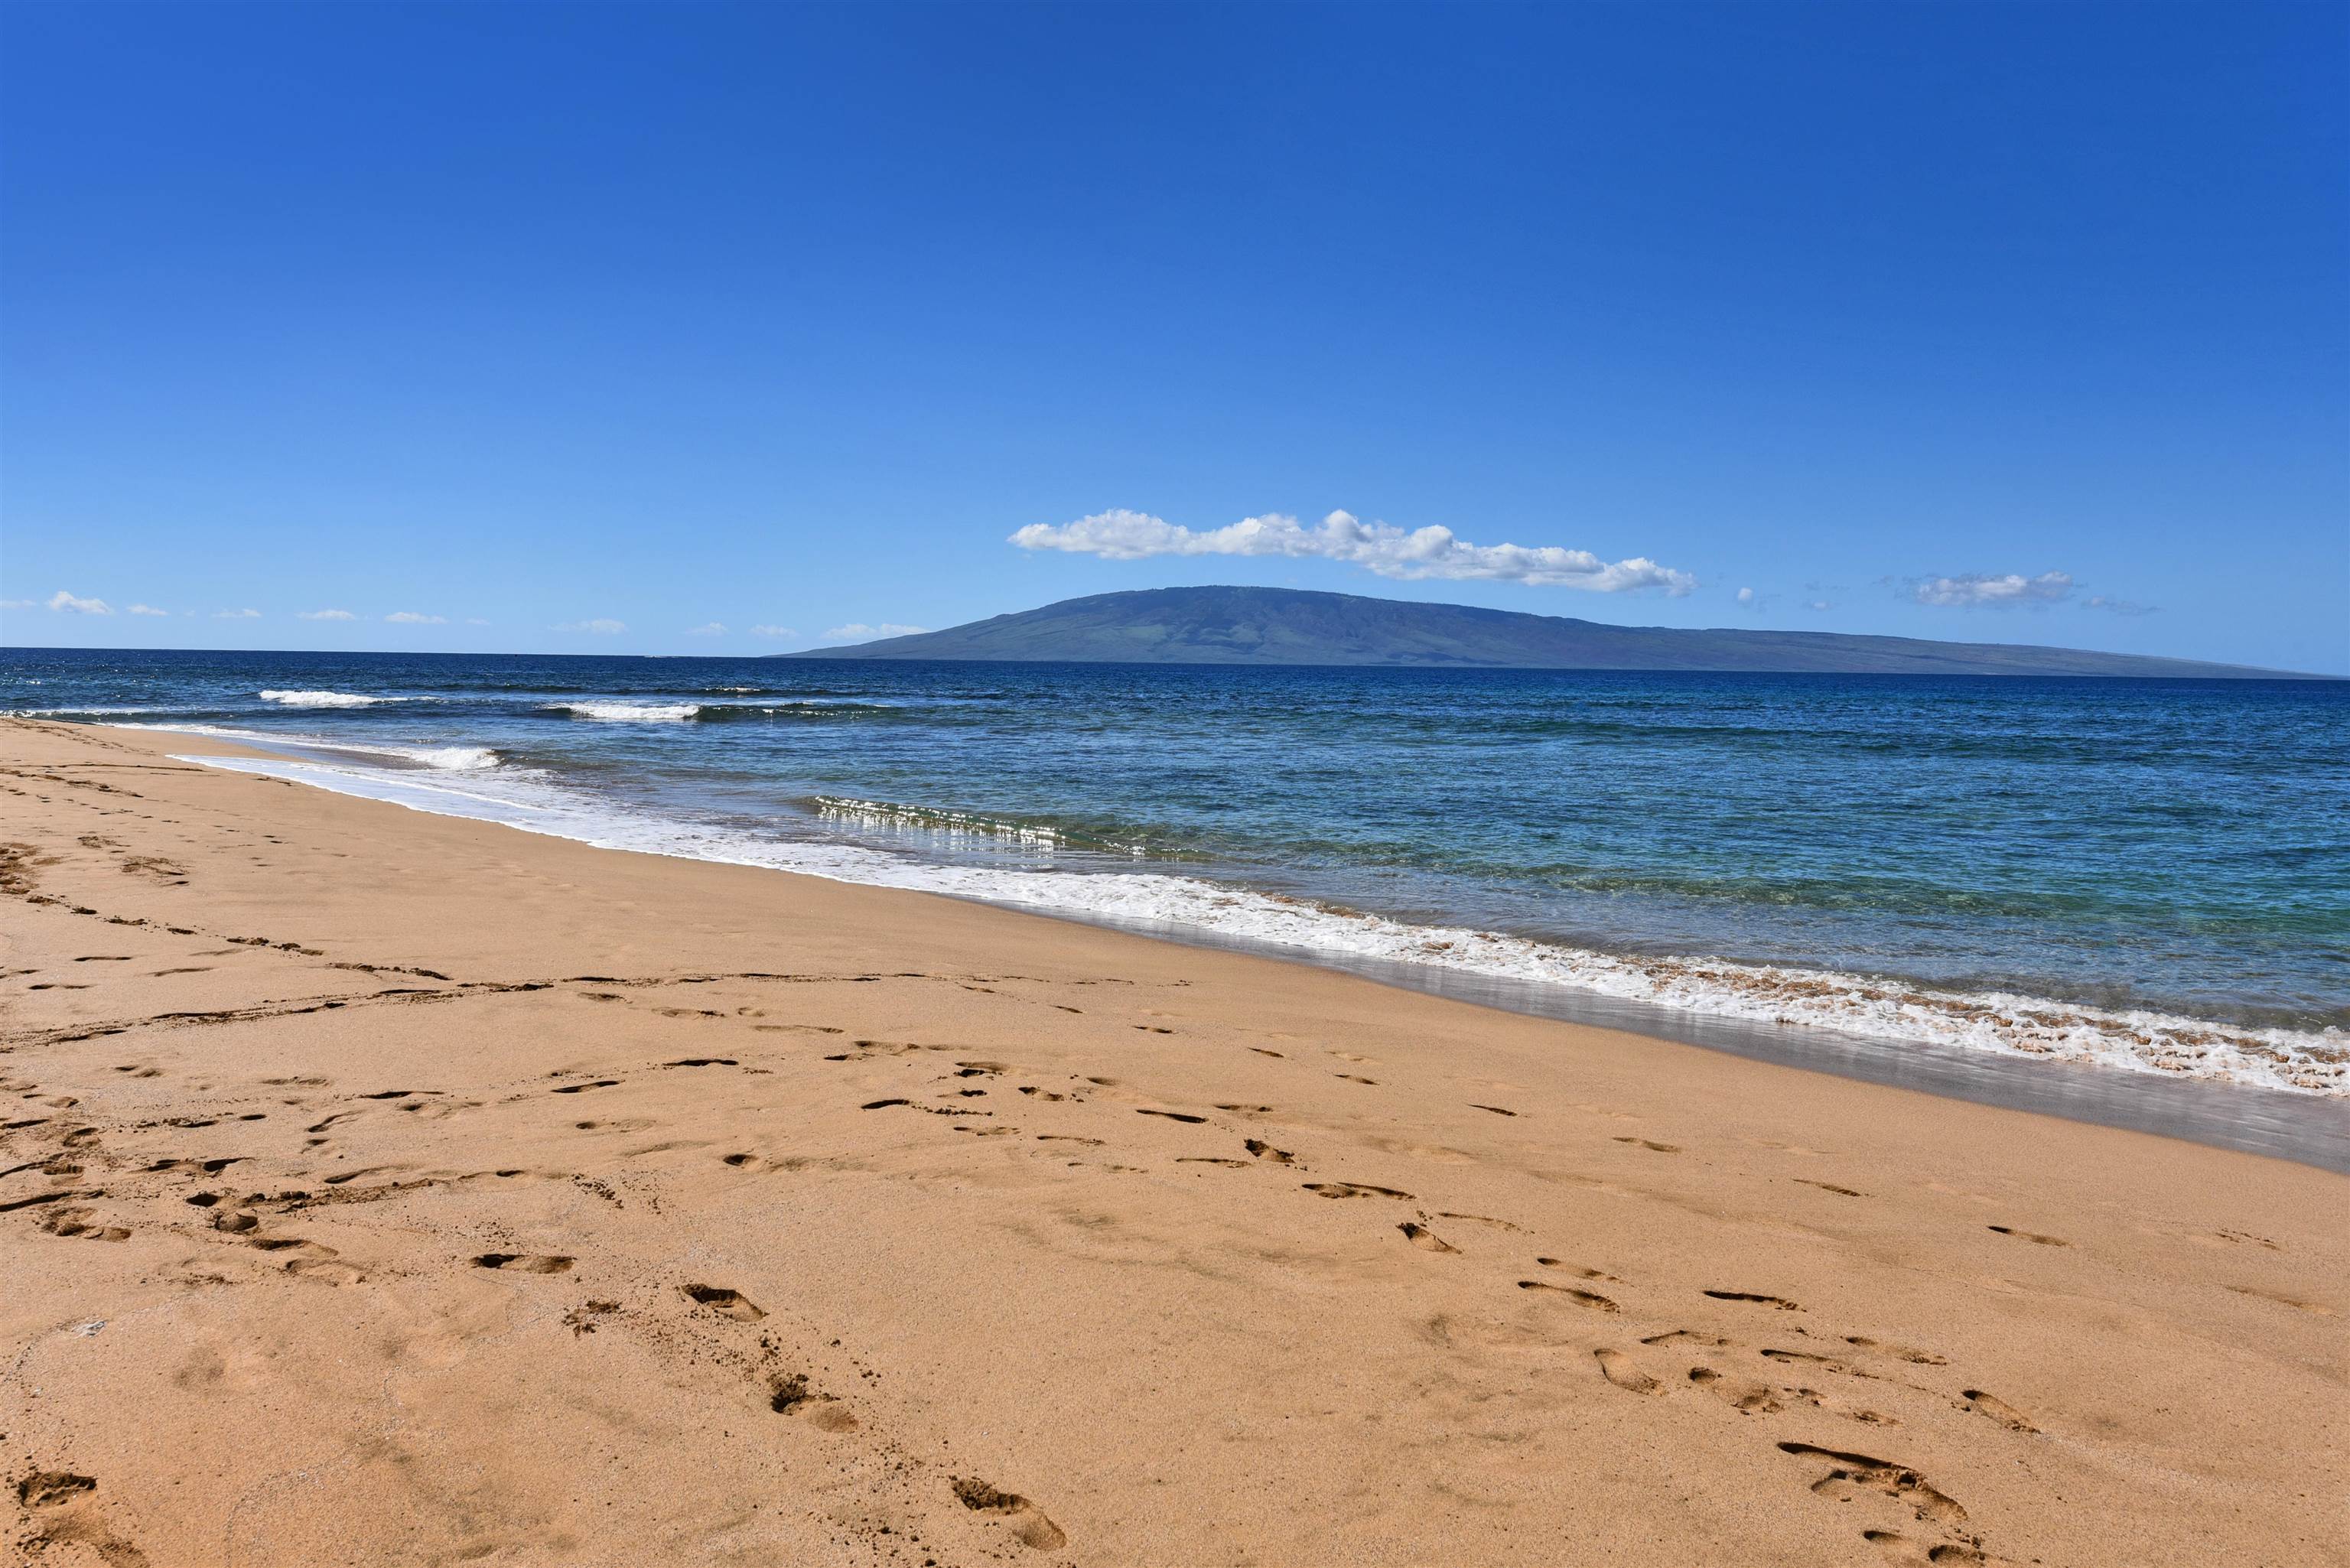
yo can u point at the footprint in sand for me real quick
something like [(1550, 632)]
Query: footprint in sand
[(1908, 1554), (1781, 1303), (724, 1302), (1591, 1299), (1170, 1116), (1264, 1150), (1746, 1399), (1028, 1522), (1578, 1270), (525, 1262), (1495, 1109), (1353, 1189), (1619, 1369), (1648, 1143), (790, 1395), (1426, 1240), (1480, 1220), (1901, 1352), (2029, 1236), (1998, 1410), (53, 1489), (1895, 1481), (1828, 1187)]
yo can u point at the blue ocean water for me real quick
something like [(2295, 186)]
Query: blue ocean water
[(2151, 873)]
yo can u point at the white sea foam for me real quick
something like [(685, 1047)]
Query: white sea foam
[(2314, 1062), (450, 759), (324, 698), (96, 707), (628, 713)]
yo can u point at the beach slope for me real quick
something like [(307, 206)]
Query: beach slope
[(379, 1188)]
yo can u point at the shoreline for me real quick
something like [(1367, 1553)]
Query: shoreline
[(2309, 1127), (393, 1186)]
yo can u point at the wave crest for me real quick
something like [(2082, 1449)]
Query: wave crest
[(323, 698)]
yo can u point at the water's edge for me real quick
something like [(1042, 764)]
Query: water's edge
[(2307, 1129), (2275, 1123)]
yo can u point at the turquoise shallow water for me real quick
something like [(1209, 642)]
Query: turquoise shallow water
[(2174, 849)]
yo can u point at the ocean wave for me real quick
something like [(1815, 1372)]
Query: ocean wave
[(709, 712), (882, 814), (2310, 1062), (325, 699), (452, 759), (797, 708), (627, 712)]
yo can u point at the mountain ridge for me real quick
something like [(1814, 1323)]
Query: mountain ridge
[(1297, 626)]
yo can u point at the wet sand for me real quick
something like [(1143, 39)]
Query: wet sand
[(385, 1188)]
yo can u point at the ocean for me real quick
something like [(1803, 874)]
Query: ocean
[(2152, 875)]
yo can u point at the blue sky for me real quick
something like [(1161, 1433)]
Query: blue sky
[(2003, 322)]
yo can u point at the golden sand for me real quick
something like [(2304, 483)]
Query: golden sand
[(389, 1189)]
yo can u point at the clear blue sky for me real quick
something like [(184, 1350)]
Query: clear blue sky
[(534, 317)]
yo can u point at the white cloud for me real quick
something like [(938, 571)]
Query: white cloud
[(1970, 589), (772, 631), (1746, 596), (2119, 607), (858, 632), (410, 618), (601, 626), (17, 604), (236, 615), (475, 620), (708, 628), (74, 605), (1819, 605), (148, 609), (325, 615), (1380, 547)]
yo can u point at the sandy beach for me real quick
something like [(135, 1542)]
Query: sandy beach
[(380, 1188)]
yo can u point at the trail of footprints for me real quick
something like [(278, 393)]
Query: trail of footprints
[(1669, 1362)]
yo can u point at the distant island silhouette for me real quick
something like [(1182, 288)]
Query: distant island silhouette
[(1295, 626)]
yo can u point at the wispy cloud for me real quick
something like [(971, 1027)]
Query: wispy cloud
[(1746, 598), (74, 603), (18, 604), (858, 632), (772, 631), (2119, 607), (236, 615), (1380, 547), (602, 626), (708, 628), (475, 620), (148, 609), (325, 615), (413, 618), (1970, 591)]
